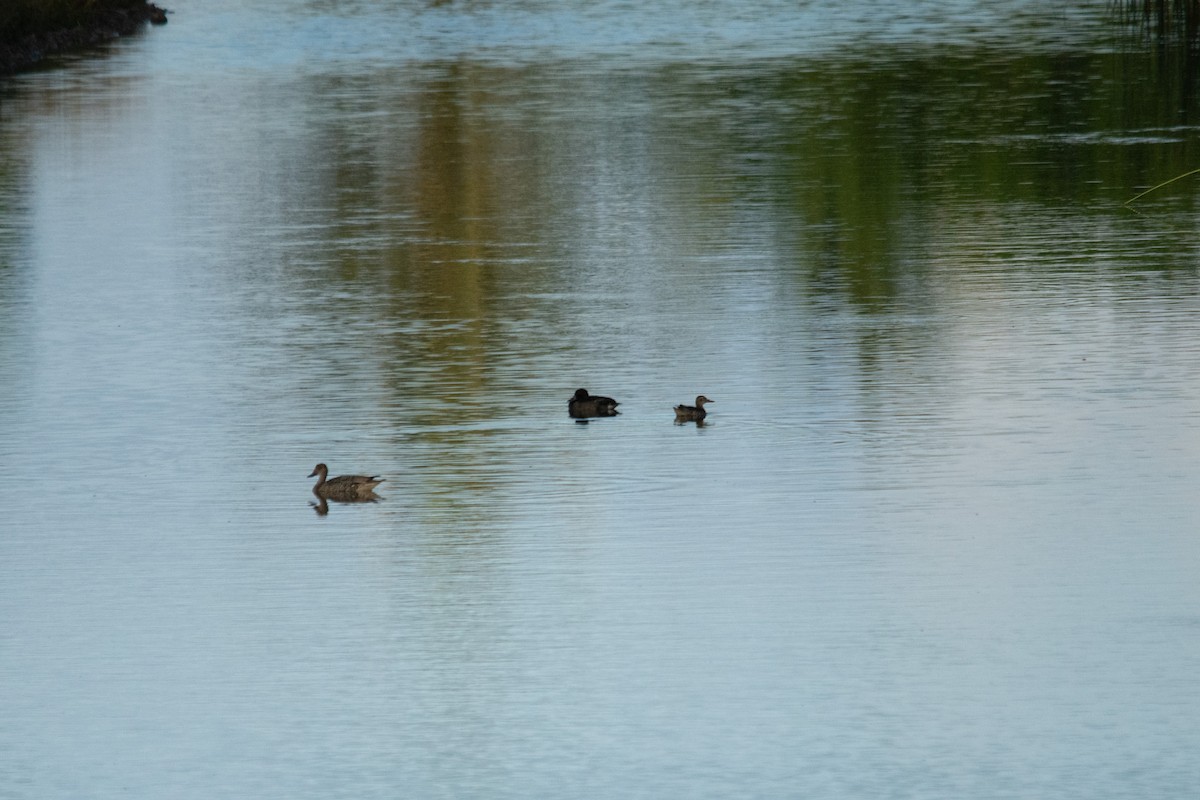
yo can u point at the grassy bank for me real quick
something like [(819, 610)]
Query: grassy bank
[(33, 29)]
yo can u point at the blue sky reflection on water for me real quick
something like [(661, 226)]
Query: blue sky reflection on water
[(937, 539)]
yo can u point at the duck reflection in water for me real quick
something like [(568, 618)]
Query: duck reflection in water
[(322, 504), (694, 413), (583, 405), (343, 488)]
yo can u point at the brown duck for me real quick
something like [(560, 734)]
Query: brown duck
[(689, 413), (344, 487), (583, 405)]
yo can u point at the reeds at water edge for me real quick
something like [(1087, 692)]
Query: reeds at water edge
[(1164, 18)]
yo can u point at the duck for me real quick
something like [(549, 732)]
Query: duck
[(687, 413), (344, 487), (583, 404)]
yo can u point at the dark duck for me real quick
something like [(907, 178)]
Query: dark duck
[(584, 405)]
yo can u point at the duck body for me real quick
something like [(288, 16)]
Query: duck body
[(583, 405), (692, 413), (344, 487)]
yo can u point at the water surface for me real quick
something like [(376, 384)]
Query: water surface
[(937, 539)]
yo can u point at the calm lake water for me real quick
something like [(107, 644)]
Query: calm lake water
[(940, 537)]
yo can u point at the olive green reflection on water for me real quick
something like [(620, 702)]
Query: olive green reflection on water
[(466, 196), (849, 144)]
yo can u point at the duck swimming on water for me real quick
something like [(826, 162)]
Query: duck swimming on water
[(344, 487), (690, 413), (583, 404)]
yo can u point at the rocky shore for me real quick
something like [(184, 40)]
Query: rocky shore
[(104, 26)]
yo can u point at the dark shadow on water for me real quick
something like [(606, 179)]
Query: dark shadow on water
[(322, 507)]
